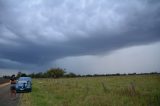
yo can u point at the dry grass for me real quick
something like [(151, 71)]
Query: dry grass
[(97, 91)]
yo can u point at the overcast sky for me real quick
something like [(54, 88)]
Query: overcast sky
[(82, 36)]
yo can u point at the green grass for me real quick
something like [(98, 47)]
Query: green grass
[(96, 91)]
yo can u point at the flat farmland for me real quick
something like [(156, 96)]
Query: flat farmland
[(140, 90)]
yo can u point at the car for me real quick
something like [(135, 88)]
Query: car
[(24, 84)]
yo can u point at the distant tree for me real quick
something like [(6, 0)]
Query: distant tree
[(153, 73), (20, 74), (23, 75), (32, 75), (79, 75), (45, 75), (88, 75), (39, 75), (71, 75), (6, 77), (131, 73), (117, 74), (55, 72)]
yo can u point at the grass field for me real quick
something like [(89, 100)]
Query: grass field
[(95, 91)]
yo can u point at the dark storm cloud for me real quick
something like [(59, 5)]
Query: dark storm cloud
[(34, 33)]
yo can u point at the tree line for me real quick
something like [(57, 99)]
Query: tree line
[(51, 73), (59, 72)]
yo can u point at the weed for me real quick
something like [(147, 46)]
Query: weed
[(104, 88)]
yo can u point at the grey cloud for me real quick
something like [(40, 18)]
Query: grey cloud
[(38, 32)]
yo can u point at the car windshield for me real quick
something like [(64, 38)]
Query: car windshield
[(22, 81)]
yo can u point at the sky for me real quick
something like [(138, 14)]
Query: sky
[(81, 36)]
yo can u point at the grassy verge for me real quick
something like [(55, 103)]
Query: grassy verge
[(96, 91)]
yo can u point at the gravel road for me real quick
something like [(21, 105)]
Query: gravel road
[(5, 99)]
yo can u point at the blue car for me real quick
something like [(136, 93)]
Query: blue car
[(24, 84)]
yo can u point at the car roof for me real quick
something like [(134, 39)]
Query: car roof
[(25, 78)]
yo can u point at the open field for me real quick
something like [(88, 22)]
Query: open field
[(95, 91)]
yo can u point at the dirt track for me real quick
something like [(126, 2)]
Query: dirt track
[(5, 99)]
